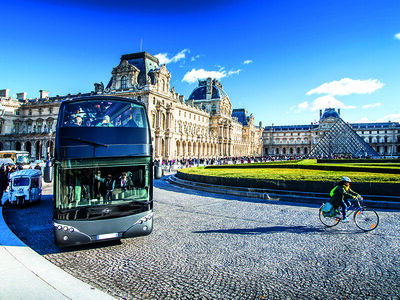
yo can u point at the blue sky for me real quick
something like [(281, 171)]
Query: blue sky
[(281, 60)]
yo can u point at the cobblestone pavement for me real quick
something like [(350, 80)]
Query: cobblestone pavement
[(210, 246)]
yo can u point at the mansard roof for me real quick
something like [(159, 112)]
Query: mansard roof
[(145, 62), (241, 115), (200, 93), (330, 113), (291, 127)]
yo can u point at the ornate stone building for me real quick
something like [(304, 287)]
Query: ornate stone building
[(299, 140), (28, 124), (204, 126)]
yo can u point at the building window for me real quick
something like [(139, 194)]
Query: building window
[(50, 110), (30, 112), (39, 127), (16, 128), (40, 111), (49, 126), (123, 82), (17, 112)]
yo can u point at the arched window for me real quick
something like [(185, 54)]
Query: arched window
[(123, 82), (163, 121)]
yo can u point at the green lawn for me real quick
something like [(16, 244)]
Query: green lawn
[(300, 174)]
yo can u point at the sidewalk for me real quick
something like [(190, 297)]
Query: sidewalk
[(24, 274)]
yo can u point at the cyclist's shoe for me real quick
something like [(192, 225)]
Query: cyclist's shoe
[(345, 220)]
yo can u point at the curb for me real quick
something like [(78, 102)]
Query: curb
[(278, 195), (24, 274)]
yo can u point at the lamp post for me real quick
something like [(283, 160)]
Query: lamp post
[(2, 110), (49, 148)]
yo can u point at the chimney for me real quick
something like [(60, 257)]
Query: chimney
[(21, 96), (338, 111), (4, 93), (320, 114), (43, 94)]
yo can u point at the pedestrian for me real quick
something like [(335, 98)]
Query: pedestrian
[(3, 184), (38, 167)]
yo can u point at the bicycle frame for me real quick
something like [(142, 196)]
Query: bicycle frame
[(365, 218)]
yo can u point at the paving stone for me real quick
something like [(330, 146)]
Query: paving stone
[(213, 246)]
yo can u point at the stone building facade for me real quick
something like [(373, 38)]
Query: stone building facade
[(28, 124), (298, 140), (203, 126)]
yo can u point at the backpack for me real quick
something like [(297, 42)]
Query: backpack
[(328, 210), (333, 191)]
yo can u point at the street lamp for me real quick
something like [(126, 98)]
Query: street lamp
[(49, 148)]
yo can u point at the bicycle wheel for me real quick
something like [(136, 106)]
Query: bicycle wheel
[(366, 219), (328, 221)]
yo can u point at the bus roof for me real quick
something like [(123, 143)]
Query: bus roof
[(13, 151), (101, 97), (27, 172)]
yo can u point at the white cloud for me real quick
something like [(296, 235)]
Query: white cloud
[(300, 107), (328, 101), (363, 120), (194, 58), (248, 61), (194, 75), (397, 36), (347, 86), (391, 117), (234, 72), (163, 57), (366, 106), (323, 102)]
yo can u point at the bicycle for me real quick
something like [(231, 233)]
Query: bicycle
[(364, 217)]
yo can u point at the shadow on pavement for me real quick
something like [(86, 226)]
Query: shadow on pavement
[(290, 229)]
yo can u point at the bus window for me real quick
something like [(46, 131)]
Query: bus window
[(22, 181), (104, 113), (103, 185)]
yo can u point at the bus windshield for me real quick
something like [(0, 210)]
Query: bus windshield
[(18, 157), (103, 113), (23, 158), (103, 184)]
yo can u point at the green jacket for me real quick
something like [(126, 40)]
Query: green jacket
[(340, 193)]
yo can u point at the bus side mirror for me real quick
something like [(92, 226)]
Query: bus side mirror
[(48, 172)]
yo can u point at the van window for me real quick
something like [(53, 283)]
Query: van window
[(35, 182), (21, 181)]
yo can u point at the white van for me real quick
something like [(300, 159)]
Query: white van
[(25, 186)]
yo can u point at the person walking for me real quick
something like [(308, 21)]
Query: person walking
[(3, 184)]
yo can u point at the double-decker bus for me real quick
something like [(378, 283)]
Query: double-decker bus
[(102, 171), (18, 157)]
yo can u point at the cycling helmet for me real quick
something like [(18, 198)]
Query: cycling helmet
[(346, 179)]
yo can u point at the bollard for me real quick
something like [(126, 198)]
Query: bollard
[(158, 172)]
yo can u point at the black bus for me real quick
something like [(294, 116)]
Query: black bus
[(102, 171)]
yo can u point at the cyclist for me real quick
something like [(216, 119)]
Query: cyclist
[(341, 193)]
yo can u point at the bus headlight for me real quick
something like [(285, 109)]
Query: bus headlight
[(145, 219)]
